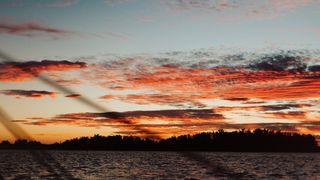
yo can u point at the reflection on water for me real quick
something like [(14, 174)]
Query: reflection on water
[(168, 165)]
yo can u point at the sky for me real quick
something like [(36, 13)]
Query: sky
[(171, 67)]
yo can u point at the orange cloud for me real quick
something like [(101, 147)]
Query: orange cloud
[(178, 85), (271, 87), (107, 97), (23, 71)]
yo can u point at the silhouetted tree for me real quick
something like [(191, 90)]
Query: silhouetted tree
[(242, 140)]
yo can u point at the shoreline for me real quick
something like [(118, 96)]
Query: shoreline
[(200, 151)]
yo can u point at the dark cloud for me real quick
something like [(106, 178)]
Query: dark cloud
[(47, 64), (237, 99), (279, 107), (27, 93), (73, 95), (190, 122), (279, 62), (185, 113), (301, 115), (130, 118), (277, 111), (315, 68)]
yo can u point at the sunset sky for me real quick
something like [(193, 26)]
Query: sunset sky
[(170, 66)]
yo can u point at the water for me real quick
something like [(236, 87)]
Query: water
[(156, 165)]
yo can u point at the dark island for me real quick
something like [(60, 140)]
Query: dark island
[(259, 140)]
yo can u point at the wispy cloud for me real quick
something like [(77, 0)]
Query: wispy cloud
[(57, 3), (32, 29), (242, 10), (113, 2), (41, 3), (108, 35), (216, 5), (36, 29), (264, 9)]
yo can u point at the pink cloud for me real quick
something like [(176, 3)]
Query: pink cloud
[(241, 10), (41, 4), (31, 29)]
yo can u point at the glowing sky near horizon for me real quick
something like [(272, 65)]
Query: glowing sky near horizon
[(175, 67)]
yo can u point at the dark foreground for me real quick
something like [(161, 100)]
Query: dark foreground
[(152, 164), (259, 140)]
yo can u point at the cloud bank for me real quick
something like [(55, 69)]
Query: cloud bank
[(205, 90), (169, 122), (189, 79)]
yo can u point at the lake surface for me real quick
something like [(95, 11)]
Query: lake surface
[(156, 165)]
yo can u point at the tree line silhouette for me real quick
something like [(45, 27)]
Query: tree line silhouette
[(259, 140)]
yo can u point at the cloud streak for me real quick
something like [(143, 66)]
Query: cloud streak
[(135, 117), (41, 4), (28, 93), (32, 29), (241, 10), (58, 3), (73, 95)]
